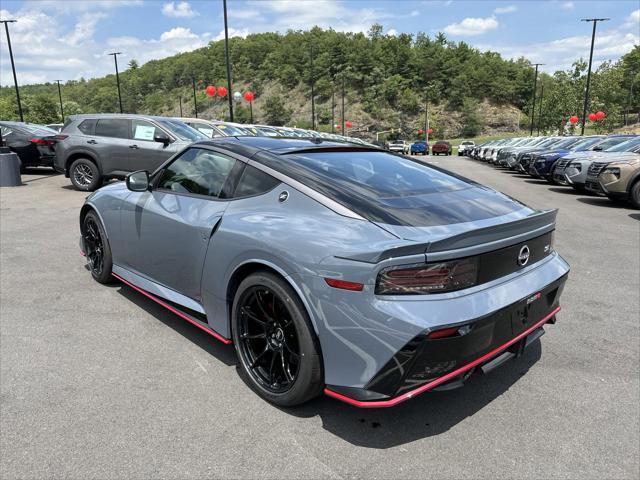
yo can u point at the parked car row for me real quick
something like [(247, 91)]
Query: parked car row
[(93, 148), (420, 147), (596, 164)]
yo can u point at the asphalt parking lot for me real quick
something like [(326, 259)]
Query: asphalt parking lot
[(99, 382)]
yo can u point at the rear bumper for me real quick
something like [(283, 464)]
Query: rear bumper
[(489, 360), (423, 364)]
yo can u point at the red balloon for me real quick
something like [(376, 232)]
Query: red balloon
[(573, 119), (338, 127), (430, 130), (248, 96), (210, 91), (222, 92), (593, 117), (420, 132), (600, 115), (348, 124)]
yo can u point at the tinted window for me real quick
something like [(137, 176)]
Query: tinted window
[(625, 146), (254, 182), (206, 129), (87, 127), (233, 130), (198, 171), (113, 127), (143, 130), (391, 189)]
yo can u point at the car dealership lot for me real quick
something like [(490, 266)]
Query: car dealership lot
[(101, 382)]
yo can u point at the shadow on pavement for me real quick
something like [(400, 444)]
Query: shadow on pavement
[(429, 414), (635, 216), (224, 353), (569, 190), (602, 202)]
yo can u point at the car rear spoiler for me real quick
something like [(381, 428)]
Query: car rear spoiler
[(471, 242)]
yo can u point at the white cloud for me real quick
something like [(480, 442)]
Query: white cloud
[(414, 13), (567, 5), (507, 9), (393, 32), (178, 10), (232, 33), (472, 26), (84, 29), (633, 20)]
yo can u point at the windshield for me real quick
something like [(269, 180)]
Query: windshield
[(585, 144), (267, 132), (625, 146), (38, 130), (233, 130), (182, 131), (566, 143)]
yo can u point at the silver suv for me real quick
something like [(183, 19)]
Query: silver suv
[(92, 148)]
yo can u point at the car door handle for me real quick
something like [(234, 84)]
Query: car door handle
[(92, 142), (135, 147)]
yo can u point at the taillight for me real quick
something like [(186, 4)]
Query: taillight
[(428, 278), (445, 332), (42, 141), (344, 285)]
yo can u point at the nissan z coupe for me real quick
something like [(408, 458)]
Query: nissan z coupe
[(335, 268)]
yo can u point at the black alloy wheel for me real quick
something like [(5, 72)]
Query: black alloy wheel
[(276, 345), (96, 248)]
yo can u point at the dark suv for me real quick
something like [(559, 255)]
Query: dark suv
[(97, 147)]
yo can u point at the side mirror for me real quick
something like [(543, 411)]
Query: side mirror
[(138, 181), (597, 149), (162, 137)]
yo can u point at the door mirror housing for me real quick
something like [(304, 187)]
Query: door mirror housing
[(138, 181), (597, 149), (162, 137)]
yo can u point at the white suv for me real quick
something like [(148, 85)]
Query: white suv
[(399, 146), (465, 147)]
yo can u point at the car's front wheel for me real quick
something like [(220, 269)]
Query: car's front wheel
[(273, 337), (634, 194), (84, 175)]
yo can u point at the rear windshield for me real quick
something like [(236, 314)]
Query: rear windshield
[(390, 189), (38, 130)]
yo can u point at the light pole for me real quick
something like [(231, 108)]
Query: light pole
[(586, 92), (227, 59), (13, 66), (115, 61), (342, 129), (426, 120), (626, 117), (533, 102), (313, 97), (60, 98), (180, 101), (195, 102), (333, 108), (540, 108)]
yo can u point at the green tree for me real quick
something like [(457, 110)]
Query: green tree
[(472, 121), (276, 113)]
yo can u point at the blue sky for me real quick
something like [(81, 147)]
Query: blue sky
[(58, 39)]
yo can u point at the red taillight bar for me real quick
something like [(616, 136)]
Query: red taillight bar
[(344, 285), (445, 332)]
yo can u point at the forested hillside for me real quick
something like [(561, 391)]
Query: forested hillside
[(388, 79)]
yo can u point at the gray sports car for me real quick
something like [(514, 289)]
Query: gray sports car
[(331, 267)]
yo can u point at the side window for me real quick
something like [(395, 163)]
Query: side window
[(254, 182), (143, 130), (198, 171), (113, 127), (87, 127)]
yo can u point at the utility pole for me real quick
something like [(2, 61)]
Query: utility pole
[(586, 92), (540, 108), (13, 66), (342, 104), (426, 120), (626, 117), (533, 102), (115, 61), (60, 98), (180, 101), (313, 97), (227, 59), (195, 102), (333, 108)]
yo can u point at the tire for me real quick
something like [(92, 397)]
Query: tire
[(286, 335), (84, 175), (97, 249), (634, 194)]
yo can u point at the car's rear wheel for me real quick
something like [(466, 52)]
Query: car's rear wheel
[(278, 351), (96, 248), (634, 194), (84, 175)]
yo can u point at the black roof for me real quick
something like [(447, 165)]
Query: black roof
[(249, 146)]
